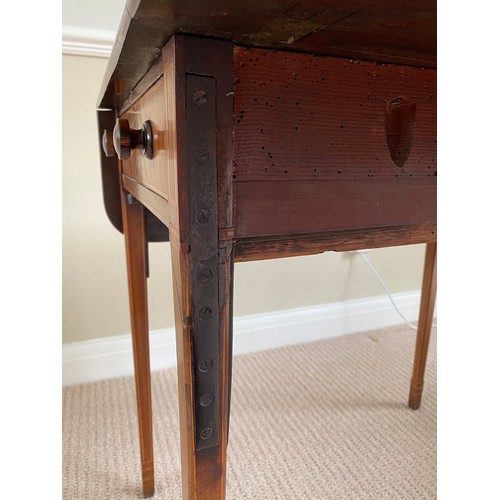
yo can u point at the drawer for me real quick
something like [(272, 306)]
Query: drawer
[(158, 174)]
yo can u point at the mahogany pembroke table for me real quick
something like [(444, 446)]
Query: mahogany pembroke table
[(261, 129)]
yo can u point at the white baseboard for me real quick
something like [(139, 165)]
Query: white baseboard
[(112, 357)]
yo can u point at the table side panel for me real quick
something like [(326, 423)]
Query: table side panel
[(326, 144), (275, 208), (299, 116)]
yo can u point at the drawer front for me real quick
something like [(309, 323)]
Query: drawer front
[(324, 144), (159, 173)]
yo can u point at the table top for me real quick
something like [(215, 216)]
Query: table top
[(385, 31)]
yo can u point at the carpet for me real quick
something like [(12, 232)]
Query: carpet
[(322, 420)]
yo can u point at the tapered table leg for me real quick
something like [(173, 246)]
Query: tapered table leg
[(200, 104), (427, 302), (203, 370), (135, 241)]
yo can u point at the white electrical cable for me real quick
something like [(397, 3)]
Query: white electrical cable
[(370, 265)]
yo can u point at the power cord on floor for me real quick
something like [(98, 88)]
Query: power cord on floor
[(377, 275)]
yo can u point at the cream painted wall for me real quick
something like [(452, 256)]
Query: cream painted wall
[(95, 302)]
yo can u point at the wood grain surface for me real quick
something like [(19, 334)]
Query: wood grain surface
[(292, 154), (402, 32), (158, 174), (425, 319), (293, 245), (134, 222), (203, 140), (300, 117), (313, 151)]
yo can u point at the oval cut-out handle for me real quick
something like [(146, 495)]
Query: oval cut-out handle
[(400, 121)]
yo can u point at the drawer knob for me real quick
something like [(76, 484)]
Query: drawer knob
[(124, 139), (107, 143)]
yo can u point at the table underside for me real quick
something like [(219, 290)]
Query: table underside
[(387, 31)]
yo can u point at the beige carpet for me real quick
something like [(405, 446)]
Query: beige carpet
[(324, 420)]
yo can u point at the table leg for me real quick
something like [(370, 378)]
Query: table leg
[(134, 228), (424, 326), (203, 371), (200, 104)]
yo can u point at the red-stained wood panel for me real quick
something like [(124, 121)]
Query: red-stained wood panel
[(314, 141), (304, 117), (274, 207)]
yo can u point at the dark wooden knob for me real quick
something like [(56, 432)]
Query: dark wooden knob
[(125, 139)]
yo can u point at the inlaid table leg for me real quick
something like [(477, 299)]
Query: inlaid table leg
[(203, 336), (134, 228), (200, 106), (427, 302)]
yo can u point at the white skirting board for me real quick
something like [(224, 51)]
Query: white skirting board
[(111, 357)]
